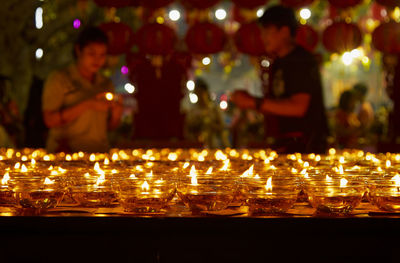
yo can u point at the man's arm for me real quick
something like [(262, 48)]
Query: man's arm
[(61, 117), (294, 106)]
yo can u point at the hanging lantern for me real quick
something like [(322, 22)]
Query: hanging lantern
[(388, 3), (307, 37), (156, 39), (296, 3), (248, 39), (205, 38), (386, 37), (117, 3), (344, 3), (199, 4), (341, 36), (249, 4), (120, 37), (155, 4)]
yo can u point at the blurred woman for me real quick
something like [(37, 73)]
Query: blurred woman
[(78, 102)]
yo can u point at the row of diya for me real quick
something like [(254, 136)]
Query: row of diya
[(269, 186)]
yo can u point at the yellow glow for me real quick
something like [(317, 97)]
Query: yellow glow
[(332, 151), (268, 185), (341, 171), (132, 176), (248, 172), (149, 174), (343, 182), (220, 156), (101, 179), (106, 161), (92, 157), (293, 170), (114, 157), (24, 169), (48, 181), (46, 158), (5, 179), (193, 171), (172, 156), (388, 163), (193, 180), (397, 158), (306, 164), (318, 158), (68, 157), (396, 180), (396, 14), (109, 96), (328, 178), (17, 166), (256, 176), (226, 165), (53, 173), (145, 186), (209, 171), (160, 20), (341, 159), (201, 158)]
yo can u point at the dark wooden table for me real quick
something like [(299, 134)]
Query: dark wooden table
[(109, 235)]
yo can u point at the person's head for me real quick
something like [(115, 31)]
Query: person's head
[(90, 49), (279, 27), (201, 90), (347, 101), (360, 90)]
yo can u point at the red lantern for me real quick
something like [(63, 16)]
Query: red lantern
[(388, 3), (156, 39), (117, 3), (199, 4), (307, 37), (155, 4), (386, 37), (344, 3), (248, 39), (296, 3), (205, 38), (378, 11), (340, 37), (249, 4), (120, 37)]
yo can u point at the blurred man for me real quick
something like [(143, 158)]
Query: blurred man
[(295, 92)]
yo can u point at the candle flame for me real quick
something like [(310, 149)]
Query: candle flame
[(220, 156), (306, 164), (92, 157), (114, 157), (226, 165), (53, 173), (256, 176), (17, 166), (328, 178), (248, 172), (5, 179), (48, 181), (341, 160), (388, 163), (150, 174), (396, 180), (106, 161), (33, 162), (132, 176), (209, 171), (193, 171), (268, 185), (109, 96), (68, 157), (101, 179), (318, 158), (293, 170), (193, 180), (172, 156), (24, 169), (145, 186), (343, 182), (201, 158), (186, 165), (341, 171)]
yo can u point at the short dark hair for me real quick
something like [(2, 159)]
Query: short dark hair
[(361, 88), (280, 16), (345, 99), (90, 35)]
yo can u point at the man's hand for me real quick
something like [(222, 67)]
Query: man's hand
[(243, 100)]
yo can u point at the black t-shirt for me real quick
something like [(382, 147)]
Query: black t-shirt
[(298, 72)]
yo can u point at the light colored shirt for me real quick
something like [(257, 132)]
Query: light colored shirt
[(88, 133)]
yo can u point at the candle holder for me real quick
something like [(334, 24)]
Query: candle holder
[(335, 195), (38, 192), (385, 193), (6, 192), (145, 194), (92, 191), (202, 193), (270, 195)]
